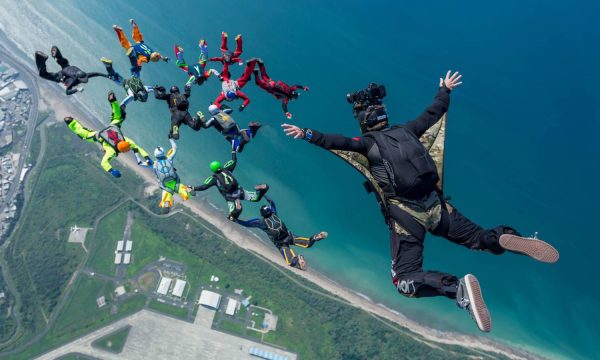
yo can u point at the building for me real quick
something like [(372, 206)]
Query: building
[(164, 285), (120, 290), (118, 258), (231, 307), (120, 244), (126, 258), (209, 299), (179, 288), (101, 301), (128, 245), (264, 354)]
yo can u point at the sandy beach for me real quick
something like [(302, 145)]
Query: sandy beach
[(53, 98)]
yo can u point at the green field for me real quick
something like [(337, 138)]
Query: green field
[(109, 231), (113, 342), (169, 309)]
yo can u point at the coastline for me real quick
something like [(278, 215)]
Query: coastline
[(53, 98)]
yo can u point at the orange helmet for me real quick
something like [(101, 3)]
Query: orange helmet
[(123, 146)]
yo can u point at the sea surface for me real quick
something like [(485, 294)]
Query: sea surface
[(522, 144)]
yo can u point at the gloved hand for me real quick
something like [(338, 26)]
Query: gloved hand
[(187, 86), (288, 115), (114, 172), (306, 88), (149, 161), (111, 96), (165, 59), (241, 108)]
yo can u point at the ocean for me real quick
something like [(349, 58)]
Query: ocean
[(516, 151)]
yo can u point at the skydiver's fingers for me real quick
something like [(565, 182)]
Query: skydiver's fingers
[(448, 75), (441, 82), (458, 77), (455, 85)]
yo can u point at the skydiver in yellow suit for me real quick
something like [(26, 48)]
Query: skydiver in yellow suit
[(111, 138)]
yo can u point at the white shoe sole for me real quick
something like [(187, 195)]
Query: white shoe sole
[(537, 249), (479, 310)]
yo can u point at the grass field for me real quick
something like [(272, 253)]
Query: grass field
[(113, 342), (169, 309), (110, 230)]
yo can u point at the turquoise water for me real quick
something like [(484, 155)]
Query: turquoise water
[(520, 146)]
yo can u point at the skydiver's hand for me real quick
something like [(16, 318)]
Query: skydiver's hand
[(293, 130), (166, 59), (241, 108), (288, 115), (149, 161), (111, 96), (114, 172), (306, 88), (187, 86), (451, 81)]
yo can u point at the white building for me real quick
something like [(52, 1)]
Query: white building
[(209, 299), (120, 244), (126, 258), (165, 284), (128, 245), (118, 258), (231, 307), (179, 287)]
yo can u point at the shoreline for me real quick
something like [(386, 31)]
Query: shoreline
[(51, 97)]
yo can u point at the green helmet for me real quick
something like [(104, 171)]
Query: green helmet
[(215, 166)]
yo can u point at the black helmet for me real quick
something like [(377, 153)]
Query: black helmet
[(174, 90), (374, 118), (142, 96), (266, 211)]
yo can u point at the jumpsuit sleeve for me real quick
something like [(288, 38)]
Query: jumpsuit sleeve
[(109, 154), (284, 104), (256, 222), (208, 123), (432, 114), (188, 91), (272, 205), (117, 113), (208, 183), (245, 97), (161, 94), (135, 148), (340, 142), (230, 165), (173, 151), (218, 100), (127, 100)]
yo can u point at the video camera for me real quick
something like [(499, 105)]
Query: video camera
[(367, 107)]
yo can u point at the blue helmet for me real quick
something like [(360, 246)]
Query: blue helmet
[(230, 95)]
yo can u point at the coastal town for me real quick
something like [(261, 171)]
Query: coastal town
[(16, 102)]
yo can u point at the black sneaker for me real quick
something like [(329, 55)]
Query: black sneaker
[(535, 248), (470, 298)]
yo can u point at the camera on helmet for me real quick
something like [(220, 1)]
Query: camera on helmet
[(372, 95), (368, 109)]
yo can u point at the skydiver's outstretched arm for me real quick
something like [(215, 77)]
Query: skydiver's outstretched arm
[(230, 165), (256, 222), (271, 204), (173, 151), (187, 91), (160, 93), (208, 183), (329, 141), (436, 110)]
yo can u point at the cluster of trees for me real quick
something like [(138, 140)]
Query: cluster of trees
[(7, 320)]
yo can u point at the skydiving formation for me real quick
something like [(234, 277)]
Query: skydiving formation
[(402, 164)]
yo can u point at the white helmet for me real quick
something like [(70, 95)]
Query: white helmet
[(213, 109), (159, 153)]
